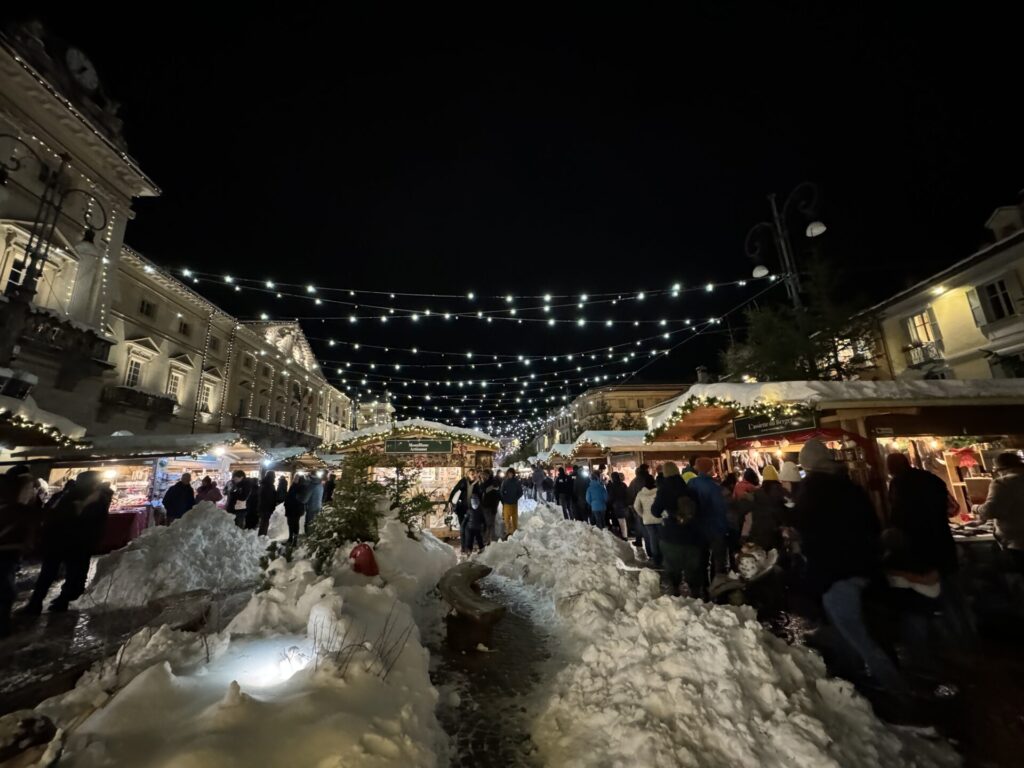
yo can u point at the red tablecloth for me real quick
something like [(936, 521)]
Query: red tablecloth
[(122, 527)]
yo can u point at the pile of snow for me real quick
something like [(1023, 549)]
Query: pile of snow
[(202, 550), (651, 680), (317, 670)]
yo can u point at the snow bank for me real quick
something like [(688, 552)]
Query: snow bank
[(659, 681), (202, 550), (317, 670)]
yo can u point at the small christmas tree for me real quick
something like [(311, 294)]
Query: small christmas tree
[(354, 512), (409, 503)]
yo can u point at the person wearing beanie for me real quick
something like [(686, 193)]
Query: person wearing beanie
[(680, 540), (790, 473), (712, 515), (763, 512), (1005, 505), (841, 539), (816, 457)]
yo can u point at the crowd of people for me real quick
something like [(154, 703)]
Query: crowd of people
[(761, 536), (252, 501), (66, 528)]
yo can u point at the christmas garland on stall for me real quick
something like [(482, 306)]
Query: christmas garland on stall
[(20, 422), (419, 431), (760, 408)]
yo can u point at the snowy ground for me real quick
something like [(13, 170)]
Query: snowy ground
[(643, 679), (315, 671)]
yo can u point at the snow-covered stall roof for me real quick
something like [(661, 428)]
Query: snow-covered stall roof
[(818, 394), (560, 449), (25, 414), (608, 439), (125, 446), (413, 426), (633, 440)]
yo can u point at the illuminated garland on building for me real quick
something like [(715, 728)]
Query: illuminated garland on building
[(20, 422), (760, 408), (419, 431)]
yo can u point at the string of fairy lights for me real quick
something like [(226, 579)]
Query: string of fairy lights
[(510, 394)]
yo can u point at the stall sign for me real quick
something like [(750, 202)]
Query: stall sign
[(762, 426), (417, 446)]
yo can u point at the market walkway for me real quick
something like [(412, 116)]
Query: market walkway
[(489, 725), (46, 655)]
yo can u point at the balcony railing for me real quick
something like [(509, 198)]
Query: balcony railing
[(269, 434), (924, 352), (153, 403)]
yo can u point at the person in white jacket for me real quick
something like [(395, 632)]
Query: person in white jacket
[(651, 524)]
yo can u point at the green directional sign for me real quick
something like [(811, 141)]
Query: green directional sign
[(413, 445)]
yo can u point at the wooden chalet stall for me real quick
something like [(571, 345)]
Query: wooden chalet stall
[(440, 454), (952, 428), (140, 469), (625, 450)]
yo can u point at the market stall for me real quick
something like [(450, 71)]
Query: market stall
[(624, 450), (951, 428), (439, 454), (140, 469)]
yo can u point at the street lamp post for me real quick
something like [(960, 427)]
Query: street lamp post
[(804, 199), (48, 212)]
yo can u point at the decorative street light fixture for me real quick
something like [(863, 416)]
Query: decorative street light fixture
[(48, 212), (803, 199)]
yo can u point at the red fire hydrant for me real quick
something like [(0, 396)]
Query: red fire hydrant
[(363, 560)]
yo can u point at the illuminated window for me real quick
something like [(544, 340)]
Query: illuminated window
[(133, 375)]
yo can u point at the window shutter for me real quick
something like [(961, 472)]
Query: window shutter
[(977, 310), (936, 332), (909, 330), (1012, 281)]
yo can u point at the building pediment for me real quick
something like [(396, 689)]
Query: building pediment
[(183, 361), (143, 346)]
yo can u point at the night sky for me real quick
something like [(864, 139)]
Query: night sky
[(603, 150)]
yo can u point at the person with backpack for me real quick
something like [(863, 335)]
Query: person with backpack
[(563, 492), (511, 492), (490, 499), (680, 540), (618, 503), (464, 489), (597, 499)]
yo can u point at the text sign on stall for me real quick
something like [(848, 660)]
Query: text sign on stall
[(762, 426), (417, 446)]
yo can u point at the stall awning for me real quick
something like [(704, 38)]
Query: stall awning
[(23, 423), (411, 428), (594, 443), (109, 447)]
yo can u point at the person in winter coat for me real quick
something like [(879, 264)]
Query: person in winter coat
[(476, 522), (511, 492), (208, 491), (919, 507), (267, 501), (841, 541), (618, 503), (580, 485), (19, 513), (329, 488), (237, 493), (746, 484), (72, 531), (636, 485), (712, 514), (650, 523), (460, 494), (1005, 505), (316, 499), (539, 475), (680, 539), (763, 512), (563, 492), (179, 499), (490, 499), (548, 487), (295, 505), (282, 489), (597, 498)]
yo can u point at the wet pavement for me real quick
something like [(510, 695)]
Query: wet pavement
[(45, 655), (488, 698)]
